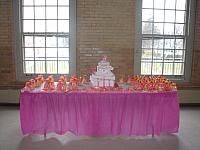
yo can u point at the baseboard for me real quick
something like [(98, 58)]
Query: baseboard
[(9, 104), (189, 104), (181, 104)]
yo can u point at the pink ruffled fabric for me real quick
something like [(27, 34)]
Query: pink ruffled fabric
[(99, 114)]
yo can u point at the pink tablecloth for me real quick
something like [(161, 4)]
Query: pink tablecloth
[(99, 114)]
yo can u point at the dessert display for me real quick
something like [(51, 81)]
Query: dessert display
[(82, 79), (151, 83), (39, 80), (103, 77), (74, 83), (62, 84), (101, 80), (34, 83), (121, 80), (49, 84)]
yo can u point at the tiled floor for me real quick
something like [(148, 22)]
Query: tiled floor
[(11, 138)]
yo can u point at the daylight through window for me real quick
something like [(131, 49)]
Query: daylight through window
[(163, 37), (45, 36)]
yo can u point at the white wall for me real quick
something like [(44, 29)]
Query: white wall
[(186, 96)]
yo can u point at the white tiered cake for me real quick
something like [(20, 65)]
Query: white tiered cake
[(104, 76)]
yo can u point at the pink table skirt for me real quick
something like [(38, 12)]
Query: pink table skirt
[(99, 114)]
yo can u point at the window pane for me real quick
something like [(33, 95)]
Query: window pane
[(39, 12), (163, 26), (29, 67), (27, 2), (158, 15), (169, 55), (28, 40), (40, 67), (157, 68), (158, 43), (159, 4), (169, 29), (179, 55), (179, 44), (28, 26), (29, 52), (170, 4), (169, 43), (52, 67), (168, 69), (45, 36), (51, 12), (147, 15), (180, 16), (51, 41), (158, 54), (158, 28), (63, 2), (39, 25), (28, 13), (63, 52), (145, 68), (51, 2), (178, 68), (146, 28), (51, 26), (169, 16), (63, 42), (146, 43), (63, 13), (179, 29), (39, 2), (39, 41), (63, 67), (63, 25), (51, 52), (146, 54), (180, 4), (39, 52)]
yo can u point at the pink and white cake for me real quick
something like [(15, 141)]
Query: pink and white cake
[(104, 76)]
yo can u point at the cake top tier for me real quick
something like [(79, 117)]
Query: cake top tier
[(104, 62)]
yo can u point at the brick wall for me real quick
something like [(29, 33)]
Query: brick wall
[(104, 27), (7, 71), (196, 47)]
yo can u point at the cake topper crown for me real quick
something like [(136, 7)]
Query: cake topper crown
[(104, 58)]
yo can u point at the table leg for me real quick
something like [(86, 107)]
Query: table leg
[(45, 135), (152, 135), (153, 132)]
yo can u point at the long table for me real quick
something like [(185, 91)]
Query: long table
[(100, 113)]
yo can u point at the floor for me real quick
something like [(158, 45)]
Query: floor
[(11, 138)]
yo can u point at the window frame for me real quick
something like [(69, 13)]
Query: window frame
[(189, 42), (20, 75)]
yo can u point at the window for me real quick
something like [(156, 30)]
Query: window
[(165, 34), (47, 43)]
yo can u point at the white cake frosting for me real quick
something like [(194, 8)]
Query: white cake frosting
[(103, 77)]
